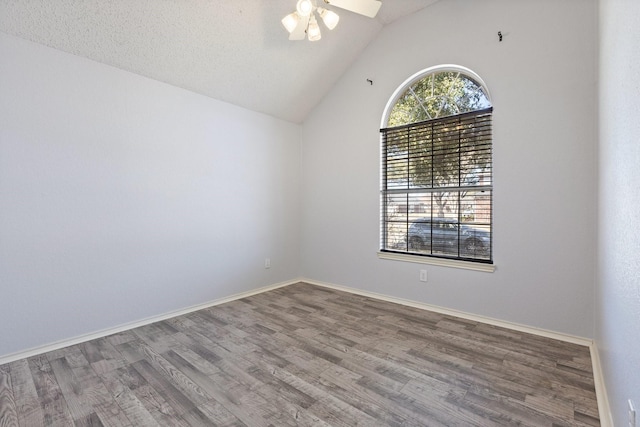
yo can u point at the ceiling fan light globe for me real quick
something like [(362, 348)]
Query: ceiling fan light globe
[(329, 18), (304, 7), (290, 22), (313, 31)]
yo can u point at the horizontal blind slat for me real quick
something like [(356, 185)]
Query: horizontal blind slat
[(426, 163)]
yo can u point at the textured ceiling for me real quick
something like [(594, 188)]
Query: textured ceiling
[(232, 50)]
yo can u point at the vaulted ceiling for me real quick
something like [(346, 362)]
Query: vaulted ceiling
[(231, 50)]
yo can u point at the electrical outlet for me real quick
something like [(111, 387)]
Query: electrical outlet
[(267, 263), (423, 275), (632, 414)]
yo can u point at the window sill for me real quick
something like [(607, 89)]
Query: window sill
[(454, 263)]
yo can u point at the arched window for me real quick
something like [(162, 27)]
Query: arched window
[(437, 184)]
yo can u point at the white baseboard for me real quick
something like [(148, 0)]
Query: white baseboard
[(606, 419), (127, 326)]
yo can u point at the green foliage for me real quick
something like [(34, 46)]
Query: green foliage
[(438, 95)]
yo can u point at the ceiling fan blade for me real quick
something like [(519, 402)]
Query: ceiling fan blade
[(368, 8), (300, 32)]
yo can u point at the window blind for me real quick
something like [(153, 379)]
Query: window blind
[(437, 187)]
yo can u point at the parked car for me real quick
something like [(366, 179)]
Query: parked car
[(447, 236)]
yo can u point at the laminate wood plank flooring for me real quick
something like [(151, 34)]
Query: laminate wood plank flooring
[(305, 355)]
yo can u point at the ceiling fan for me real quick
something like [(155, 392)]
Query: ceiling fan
[(303, 23)]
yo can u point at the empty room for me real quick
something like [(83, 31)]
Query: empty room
[(319, 212)]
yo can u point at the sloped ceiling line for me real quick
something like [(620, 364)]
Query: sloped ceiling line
[(231, 50)]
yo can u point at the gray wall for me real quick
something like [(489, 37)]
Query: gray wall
[(123, 198), (618, 292), (542, 79)]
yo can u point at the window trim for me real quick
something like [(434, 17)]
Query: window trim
[(383, 253), (442, 262)]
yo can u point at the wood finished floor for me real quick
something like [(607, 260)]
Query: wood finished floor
[(305, 355)]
